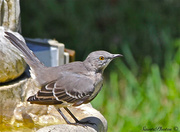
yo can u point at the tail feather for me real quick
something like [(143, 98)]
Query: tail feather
[(44, 101), (28, 55)]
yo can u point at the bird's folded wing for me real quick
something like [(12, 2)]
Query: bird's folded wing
[(69, 88)]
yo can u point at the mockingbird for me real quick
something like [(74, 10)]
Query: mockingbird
[(71, 84)]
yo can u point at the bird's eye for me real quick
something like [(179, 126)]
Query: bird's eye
[(101, 58)]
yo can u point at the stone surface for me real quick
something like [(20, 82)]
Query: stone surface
[(12, 64), (67, 128), (15, 111), (10, 15)]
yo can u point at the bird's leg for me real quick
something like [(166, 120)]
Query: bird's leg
[(71, 114), (76, 120), (67, 121), (64, 117)]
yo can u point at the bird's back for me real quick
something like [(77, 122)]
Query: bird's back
[(53, 72)]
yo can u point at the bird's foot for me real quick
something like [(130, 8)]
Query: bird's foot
[(82, 123)]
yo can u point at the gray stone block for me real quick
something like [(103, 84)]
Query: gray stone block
[(12, 64)]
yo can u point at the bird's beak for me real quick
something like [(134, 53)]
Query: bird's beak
[(117, 55)]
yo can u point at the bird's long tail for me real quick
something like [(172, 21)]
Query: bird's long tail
[(27, 54)]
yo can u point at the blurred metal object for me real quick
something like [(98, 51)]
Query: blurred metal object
[(71, 54), (50, 52)]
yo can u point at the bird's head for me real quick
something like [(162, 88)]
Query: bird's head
[(98, 60)]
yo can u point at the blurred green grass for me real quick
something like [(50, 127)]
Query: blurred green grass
[(151, 99)]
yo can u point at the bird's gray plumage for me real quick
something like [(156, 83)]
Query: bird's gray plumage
[(70, 84)]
